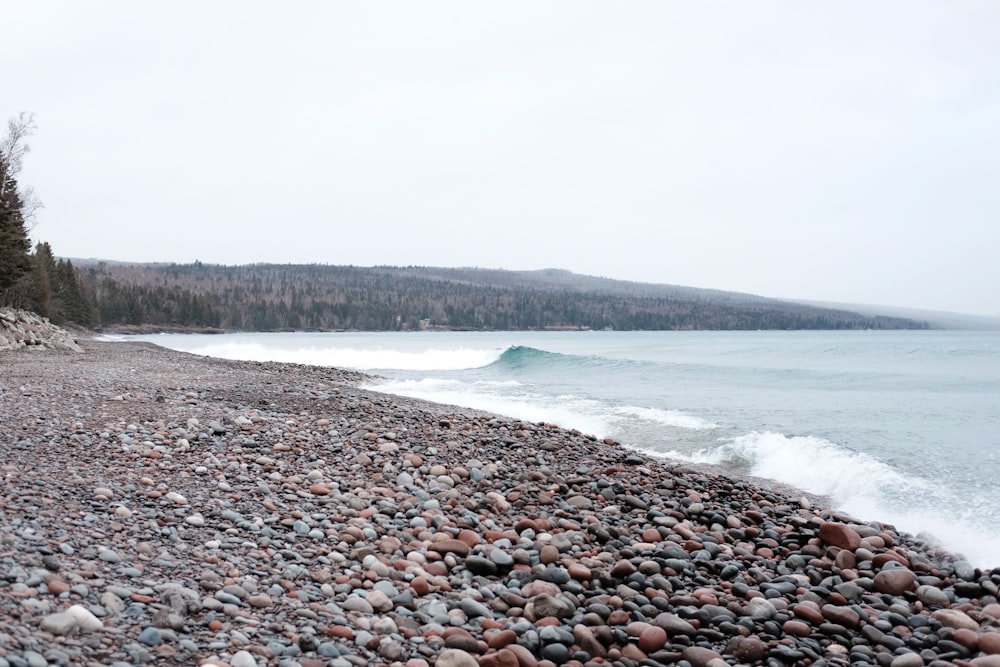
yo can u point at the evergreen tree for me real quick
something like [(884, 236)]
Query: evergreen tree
[(16, 206), (40, 291)]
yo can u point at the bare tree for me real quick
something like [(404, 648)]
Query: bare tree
[(13, 148)]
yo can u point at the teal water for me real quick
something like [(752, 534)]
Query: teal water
[(902, 427)]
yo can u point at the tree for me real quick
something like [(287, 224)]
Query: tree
[(17, 205), (42, 276)]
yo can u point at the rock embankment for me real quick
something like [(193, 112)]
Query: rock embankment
[(20, 328), (158, 508)]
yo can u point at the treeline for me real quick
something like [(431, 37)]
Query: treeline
[(268, 297)]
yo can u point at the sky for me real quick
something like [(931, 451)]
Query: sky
[(838, 151)]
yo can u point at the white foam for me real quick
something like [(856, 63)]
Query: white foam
[(566, 411), (358, 358), (667, 417), (865, 487)]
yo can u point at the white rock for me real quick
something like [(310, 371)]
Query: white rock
[(84, 619), (62, 623), (243, 659)]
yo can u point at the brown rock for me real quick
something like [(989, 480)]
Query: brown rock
[(844, 616), (989, 643), (796, 628), (895, 581), (966, 638), (840, 535), (808, 612), (319, 490), (751, 650), (622, 569), (953, 618), (548, 554), (523, 655), (502, 658), (652, 639), (699, 656), (457, 547), (585, 638), (501, 639)]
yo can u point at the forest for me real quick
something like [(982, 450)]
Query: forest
[(274, 297)]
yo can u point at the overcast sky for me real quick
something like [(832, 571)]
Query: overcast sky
[(845, 151)]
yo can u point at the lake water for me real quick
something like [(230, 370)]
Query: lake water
[(901, 427)]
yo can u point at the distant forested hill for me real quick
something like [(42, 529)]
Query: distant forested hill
[(270, 297)]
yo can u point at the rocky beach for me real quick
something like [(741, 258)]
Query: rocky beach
[(160, 508)]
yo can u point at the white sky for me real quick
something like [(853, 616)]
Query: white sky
[(845, 151)]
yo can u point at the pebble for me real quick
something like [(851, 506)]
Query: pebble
[(227, 521)]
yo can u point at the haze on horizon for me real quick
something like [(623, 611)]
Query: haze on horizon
[(845, 152)]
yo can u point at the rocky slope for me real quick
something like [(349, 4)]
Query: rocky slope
[(20, 328)]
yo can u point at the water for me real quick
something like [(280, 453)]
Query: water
[(902, 427)]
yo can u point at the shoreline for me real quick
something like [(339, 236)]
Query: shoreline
[(167, 508)]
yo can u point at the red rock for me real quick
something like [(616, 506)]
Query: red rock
[(895, 581), (652, 639), (651, 535), (502, 658), (456, 547), (539, 587), (796, 628), (471, 538), (633, 652), (523, 655), (319, 490), (579, 571), (748, 650), (989, 643), (889, 557), (699, 656), (618, 617), (844, 616), (622, 569), (419, 585), (56, 585), (840, 535), (548, 554), (501, 639), (584, 637), (966, 638), (523, 525), (808, 613), (992, 609), (845, 559), (341, 631)]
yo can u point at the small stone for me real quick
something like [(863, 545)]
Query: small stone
[(151, 636), (243, 659), (451, 657), (260, 601), (85, 620), (61, 623)]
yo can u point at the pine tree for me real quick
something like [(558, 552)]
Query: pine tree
[(42, 275), (16, 206)]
